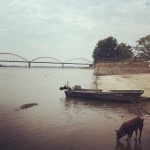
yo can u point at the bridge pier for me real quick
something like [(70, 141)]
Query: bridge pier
[(62, 65), (91, 65), (29, 64)]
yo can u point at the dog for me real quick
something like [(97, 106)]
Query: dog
[(129, 127)]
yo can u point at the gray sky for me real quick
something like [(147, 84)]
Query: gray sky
[(66, 29)]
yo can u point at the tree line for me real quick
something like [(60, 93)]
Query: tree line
[(109, 49)]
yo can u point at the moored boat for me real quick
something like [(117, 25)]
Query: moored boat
[(111, 95)]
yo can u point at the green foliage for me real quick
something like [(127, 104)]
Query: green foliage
[(143, 47), (123, 51), (109, 49)]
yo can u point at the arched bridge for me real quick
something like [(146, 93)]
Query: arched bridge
[(12, 58), (44, 60), (9, 57), (78, 61)]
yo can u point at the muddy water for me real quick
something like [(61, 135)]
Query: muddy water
[(57, 123)]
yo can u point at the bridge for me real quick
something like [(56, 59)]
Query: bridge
[(10, 58)]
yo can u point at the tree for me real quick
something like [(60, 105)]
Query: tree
[(123, 51), (105, 48), (111, 50), (143, 47)]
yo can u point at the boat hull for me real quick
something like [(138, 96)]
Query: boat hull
[(113, 95)]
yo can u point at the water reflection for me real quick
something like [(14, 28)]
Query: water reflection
[(136, 146), (91, 104)]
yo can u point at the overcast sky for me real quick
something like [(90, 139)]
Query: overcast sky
[(66, 29)]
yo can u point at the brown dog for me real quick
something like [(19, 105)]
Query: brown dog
[(130, 126)]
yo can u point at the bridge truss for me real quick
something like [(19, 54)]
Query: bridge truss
[(9, 59), (15, 60)]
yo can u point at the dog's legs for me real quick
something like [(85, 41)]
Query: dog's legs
[(130, 135), (136, 134), (141, 128), (127, 137), (140, 134)]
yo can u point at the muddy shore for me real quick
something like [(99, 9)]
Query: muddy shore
[(130, 82)]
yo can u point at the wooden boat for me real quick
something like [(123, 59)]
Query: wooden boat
[(111, 95)]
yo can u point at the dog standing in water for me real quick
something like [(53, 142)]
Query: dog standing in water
[(129, 127)]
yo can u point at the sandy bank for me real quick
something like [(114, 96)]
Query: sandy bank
[(128, 82)]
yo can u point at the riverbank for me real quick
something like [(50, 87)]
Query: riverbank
[(130, 82), (121, 68)]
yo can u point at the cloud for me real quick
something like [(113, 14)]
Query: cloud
[(75, 24), (49, 16)]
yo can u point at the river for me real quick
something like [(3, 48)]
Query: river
[(59, 123)]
